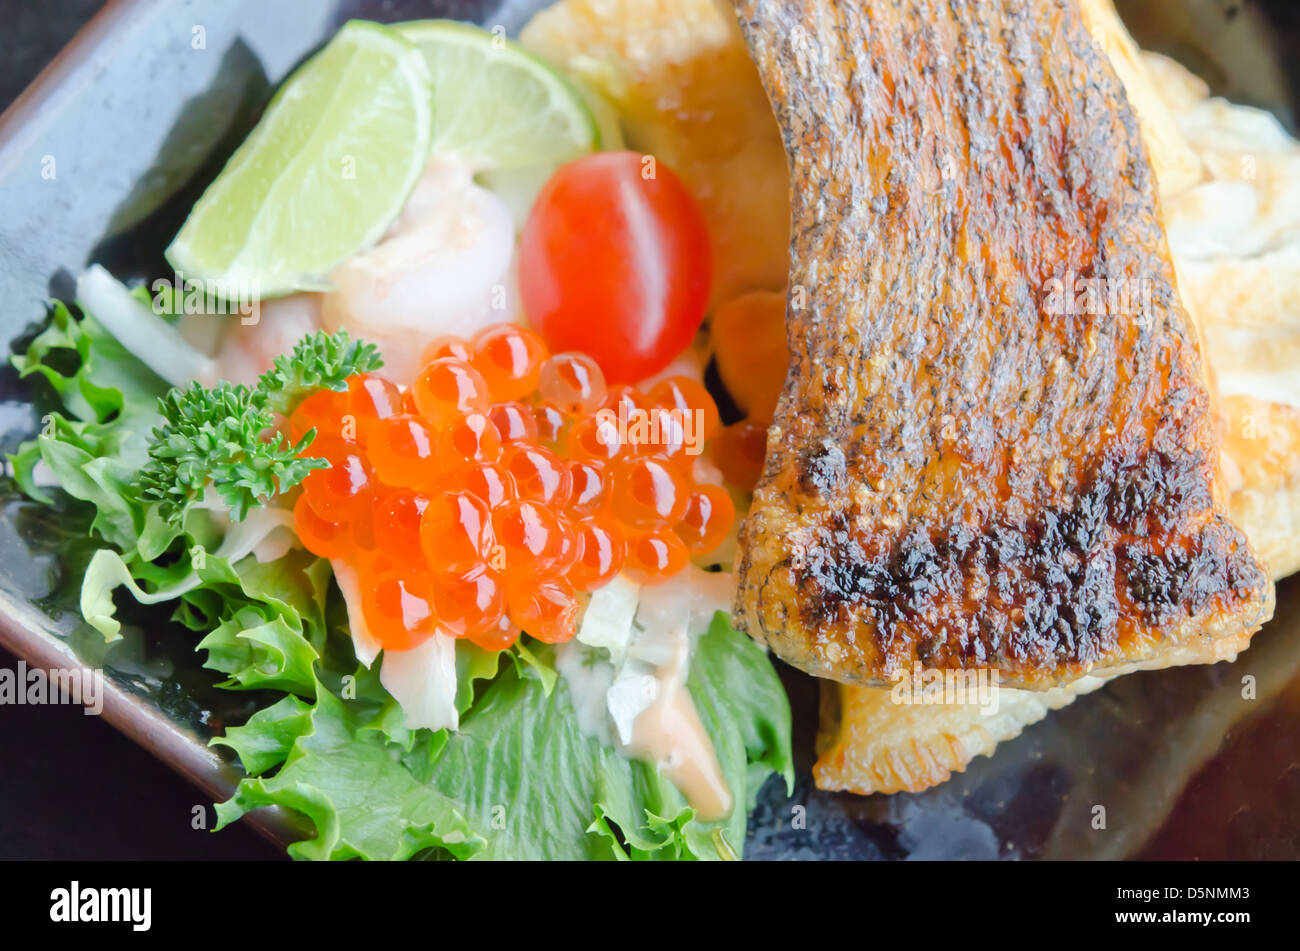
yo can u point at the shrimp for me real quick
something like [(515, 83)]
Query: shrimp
[(247, 351), (445, 267)]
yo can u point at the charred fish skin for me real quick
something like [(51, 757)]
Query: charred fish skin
[(954, 475)]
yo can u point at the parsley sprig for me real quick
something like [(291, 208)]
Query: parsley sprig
[(319, 361), (224, 436)]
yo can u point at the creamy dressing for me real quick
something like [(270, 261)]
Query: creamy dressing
[(637, 701), (669, 734)]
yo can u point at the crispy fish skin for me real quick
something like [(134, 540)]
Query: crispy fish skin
[(868, 743), (953, 476)]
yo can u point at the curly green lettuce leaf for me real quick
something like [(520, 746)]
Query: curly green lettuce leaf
[(266, 739), (261, 654), (95, 378), (361, 799), (93, 445), (88, 470), (177, 545)]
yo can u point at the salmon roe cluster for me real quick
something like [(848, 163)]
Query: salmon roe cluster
[(502, 486)]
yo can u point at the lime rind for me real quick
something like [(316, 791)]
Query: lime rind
[(323, 174), (495, 104)]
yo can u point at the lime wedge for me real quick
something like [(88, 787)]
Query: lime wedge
[(322, 175), (496, 105)]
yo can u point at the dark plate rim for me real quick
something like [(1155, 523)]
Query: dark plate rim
[(20, 632)]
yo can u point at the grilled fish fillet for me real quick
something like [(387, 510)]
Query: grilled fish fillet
[(1248, 312), (955, 477)]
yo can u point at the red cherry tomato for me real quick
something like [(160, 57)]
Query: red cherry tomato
[(614, 262)]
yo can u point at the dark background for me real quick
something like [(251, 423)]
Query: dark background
[(71, 787)]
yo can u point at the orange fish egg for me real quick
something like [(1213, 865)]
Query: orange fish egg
[(323, 411), (530, 536), (471, 604), (548, 610), (625, 400), (498, 636), (707, 519), (397, 524), (398, 608), (654, 557), (589, 484), (686, 395), (601, 552), (551, 423), (491, 483), (337, 492), (448, 345), (665, 433), (573, 382), (371, 398), (448, 388), (568, 548), (539, 474), (321, 537), (362, 530), (514, 421), (510, 358), (596, 437), (402, 451), (469, 439), (647, 491), (456, 532)]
